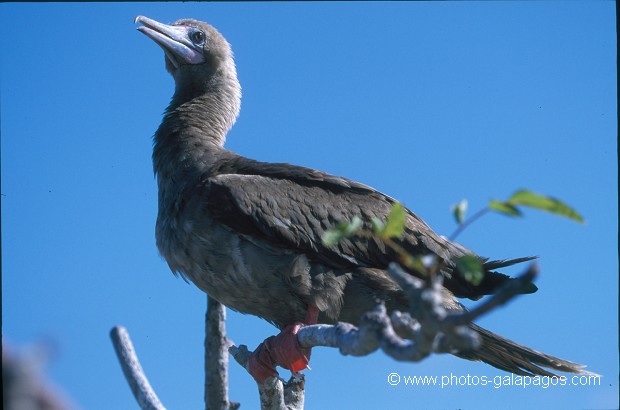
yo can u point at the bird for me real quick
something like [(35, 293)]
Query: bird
[(249, 233)]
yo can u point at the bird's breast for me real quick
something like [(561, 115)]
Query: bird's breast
[(238, 271)]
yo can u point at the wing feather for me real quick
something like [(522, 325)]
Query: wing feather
[(292, 207)]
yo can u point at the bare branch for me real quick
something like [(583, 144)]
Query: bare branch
[(216, 358), (400, 337), (139, 384), (25, 384)]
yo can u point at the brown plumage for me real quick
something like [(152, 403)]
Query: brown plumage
[(248, 233)]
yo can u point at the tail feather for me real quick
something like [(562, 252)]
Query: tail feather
[(502, 263), (512, 357)]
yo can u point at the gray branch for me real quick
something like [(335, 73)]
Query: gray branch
[(216, 358), (216, 363), (139, 384), (434, 330)]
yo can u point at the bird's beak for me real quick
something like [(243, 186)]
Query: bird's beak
[(174, 40)]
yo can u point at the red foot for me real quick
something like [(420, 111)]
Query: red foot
[(282, 350)]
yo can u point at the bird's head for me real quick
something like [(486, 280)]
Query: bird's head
[(201, 62), (197, 55)]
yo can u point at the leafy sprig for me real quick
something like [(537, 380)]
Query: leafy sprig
[(469, 266)]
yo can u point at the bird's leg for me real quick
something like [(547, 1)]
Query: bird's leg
[(282, 350)]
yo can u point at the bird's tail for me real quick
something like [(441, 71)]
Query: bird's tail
[(512, 357)]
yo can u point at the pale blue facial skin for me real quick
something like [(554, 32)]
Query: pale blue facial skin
[(174, 40)]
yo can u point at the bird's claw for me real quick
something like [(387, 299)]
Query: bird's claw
[(282, 350)]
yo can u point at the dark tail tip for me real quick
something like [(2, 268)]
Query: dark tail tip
[(494, 280)]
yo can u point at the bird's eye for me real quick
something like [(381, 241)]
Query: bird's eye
[(197, 37)]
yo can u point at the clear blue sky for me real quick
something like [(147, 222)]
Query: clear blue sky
[(428, 102)]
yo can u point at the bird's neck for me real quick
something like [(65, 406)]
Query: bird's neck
[(192, 132)]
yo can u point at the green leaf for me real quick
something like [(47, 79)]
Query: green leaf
[(395, 223), (333, 236), (459, 210), (341, 231), (504, 208), (414, 263), (354, 226), (544, 203), (377, 225), (470, 267)]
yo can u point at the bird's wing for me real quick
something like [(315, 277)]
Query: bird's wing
[(292, 207)]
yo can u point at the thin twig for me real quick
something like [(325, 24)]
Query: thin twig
[(468, 222), (139, 384)]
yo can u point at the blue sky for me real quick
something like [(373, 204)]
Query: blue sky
[(428, 102)]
